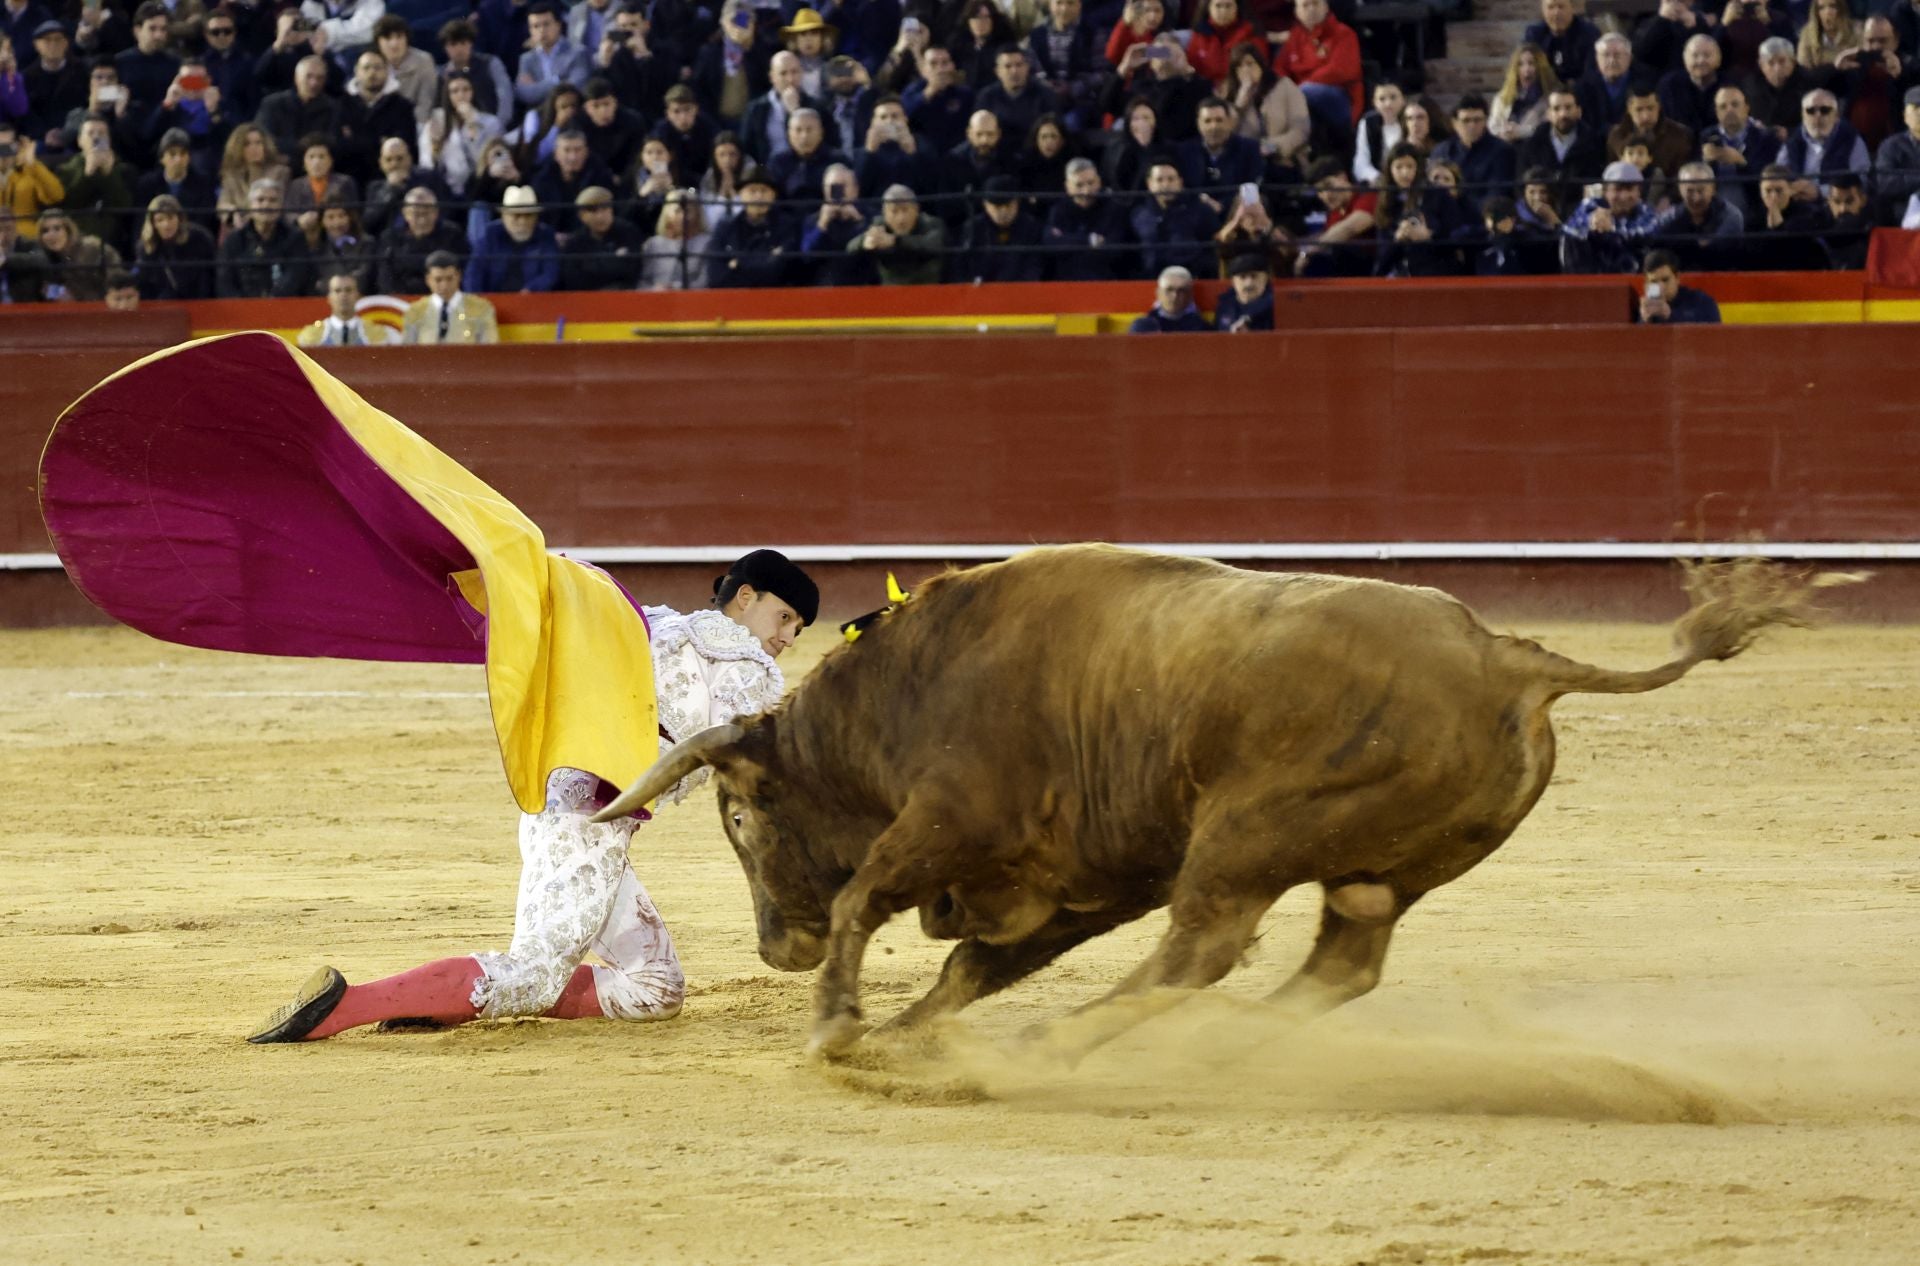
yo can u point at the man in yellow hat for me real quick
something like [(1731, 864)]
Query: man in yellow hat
[(811, 38)]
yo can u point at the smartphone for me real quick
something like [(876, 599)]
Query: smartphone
[(741, 19), (1249, 194), (658, 169), (112, 94), (1157, 52), (1870, 57), (837, 191), (195, 83), (1654, 290), (911, 26)]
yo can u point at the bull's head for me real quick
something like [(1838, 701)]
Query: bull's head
[(789, 895)]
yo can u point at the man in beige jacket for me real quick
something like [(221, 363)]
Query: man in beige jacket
[(446, 315)]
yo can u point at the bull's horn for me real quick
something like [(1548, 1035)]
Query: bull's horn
[(677, 763)]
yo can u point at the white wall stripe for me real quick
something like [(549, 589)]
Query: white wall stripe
[(1237, 551)]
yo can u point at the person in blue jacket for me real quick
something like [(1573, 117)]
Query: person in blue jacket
[(515, 252)]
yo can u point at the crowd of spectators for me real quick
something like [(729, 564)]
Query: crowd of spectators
[(190, 149)]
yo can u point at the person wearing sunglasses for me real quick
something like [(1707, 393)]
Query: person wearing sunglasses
[(1823, 145)]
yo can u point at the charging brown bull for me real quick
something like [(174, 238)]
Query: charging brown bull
[(1036, 752)]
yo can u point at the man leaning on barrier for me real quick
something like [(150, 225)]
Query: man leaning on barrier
[(1173, 310)]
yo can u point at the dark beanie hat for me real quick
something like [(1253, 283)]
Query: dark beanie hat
[(770, 571)]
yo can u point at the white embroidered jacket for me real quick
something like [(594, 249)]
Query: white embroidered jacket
[(707, 670)]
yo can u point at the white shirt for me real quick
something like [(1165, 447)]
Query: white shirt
[(351, 332), (707, 670)]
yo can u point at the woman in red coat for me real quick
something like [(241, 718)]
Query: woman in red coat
[(1322, 54), (1214, 35)]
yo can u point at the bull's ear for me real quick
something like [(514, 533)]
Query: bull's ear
[(710, 746)]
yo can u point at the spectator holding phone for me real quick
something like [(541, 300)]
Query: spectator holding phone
[(891, 154), (1139, 23), (1604, 232), (827, 237), (1871, 79), (734, 70), (638, 75), (99, 187), (1665, 301), (193, 105), (1250, 230), (690, 135)]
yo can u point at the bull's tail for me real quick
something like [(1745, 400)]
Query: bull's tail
[(1733, 602)]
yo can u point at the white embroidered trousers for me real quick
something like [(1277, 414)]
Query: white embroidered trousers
[(579, 895)]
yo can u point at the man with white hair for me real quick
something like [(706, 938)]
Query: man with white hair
[(1824, 144), (1686, 95), (1173, 310), (1602, 90), (907, 247), (263, 258), (1774, 91)]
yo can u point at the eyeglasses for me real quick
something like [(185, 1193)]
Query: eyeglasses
[(1819, 109)]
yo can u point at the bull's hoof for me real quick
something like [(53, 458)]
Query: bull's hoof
[(835, 1036)]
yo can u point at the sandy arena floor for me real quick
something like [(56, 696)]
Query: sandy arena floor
[(1676, 1019)]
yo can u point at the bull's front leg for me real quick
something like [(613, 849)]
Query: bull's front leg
[(908, 865)]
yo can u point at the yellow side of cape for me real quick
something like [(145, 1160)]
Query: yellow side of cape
[(569, 669)]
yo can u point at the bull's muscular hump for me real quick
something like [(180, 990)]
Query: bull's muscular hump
[(1034, 752)]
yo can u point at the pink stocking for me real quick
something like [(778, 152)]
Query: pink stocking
[(579, 1000), (441, 991)]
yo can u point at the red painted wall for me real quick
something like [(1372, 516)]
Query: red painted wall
[(1800, 433)]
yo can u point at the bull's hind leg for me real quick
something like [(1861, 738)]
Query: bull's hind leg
[(976, 969), (1356, 925)]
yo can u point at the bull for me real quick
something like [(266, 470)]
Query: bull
[(1038, 751)]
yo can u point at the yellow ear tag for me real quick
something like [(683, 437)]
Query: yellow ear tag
[(895, 594)]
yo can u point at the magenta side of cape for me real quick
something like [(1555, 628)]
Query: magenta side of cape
[(210, 498)]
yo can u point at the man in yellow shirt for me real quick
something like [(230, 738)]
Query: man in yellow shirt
[(446, 315), (27, 185)]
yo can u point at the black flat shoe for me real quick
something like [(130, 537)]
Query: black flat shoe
[(318, 996)]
